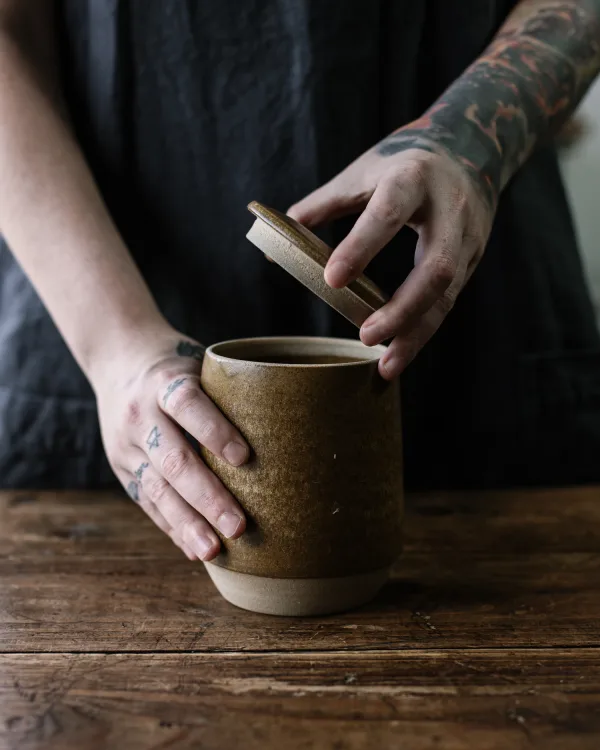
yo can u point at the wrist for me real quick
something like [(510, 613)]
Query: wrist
[(132, 345)]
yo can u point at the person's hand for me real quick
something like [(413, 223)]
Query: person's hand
[(395, 184), (145, 402)]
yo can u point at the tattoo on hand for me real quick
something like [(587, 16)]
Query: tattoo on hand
[(133, 491), (172, 387), (522, 89), (140, 470), (153, 440), (188, 349)]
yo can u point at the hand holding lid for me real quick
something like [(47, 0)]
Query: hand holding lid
[(302, 254)]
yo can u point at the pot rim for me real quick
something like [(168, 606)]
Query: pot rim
[(372, 353)]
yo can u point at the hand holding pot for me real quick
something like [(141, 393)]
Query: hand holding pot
[(145, 403)]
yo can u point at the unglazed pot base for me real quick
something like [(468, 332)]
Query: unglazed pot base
[(296, 597)]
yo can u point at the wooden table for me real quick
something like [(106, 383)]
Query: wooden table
[(487, 638)]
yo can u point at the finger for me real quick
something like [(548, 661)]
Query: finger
[(173, 458), (134, 490), (158, 518), (439, 252), (391, 207), (188, 552), (404, 348), (341, 196), (162, 524), (184, 401), (186, 525), (401, 351)]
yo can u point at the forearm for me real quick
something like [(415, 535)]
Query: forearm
[(55, 221), (520, 91)]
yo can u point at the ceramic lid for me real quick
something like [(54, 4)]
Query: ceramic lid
[(304, 256)]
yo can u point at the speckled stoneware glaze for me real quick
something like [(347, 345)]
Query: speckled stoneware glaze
[(323, 489)]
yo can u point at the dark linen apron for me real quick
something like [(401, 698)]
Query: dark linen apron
[(189, 109)]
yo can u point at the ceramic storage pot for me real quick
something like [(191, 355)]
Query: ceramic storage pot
[(323, 489)]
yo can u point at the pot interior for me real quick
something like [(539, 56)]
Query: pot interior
[(297, 351)]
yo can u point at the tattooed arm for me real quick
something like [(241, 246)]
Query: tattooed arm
[(144, 374), (522, 89), (443, 173)]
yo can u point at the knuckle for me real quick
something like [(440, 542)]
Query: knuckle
[(208, 501), (134, 413), (182, 398), (443, 271), (189, 530), (387, 212), (156, 489), (418, 170), (162, 376), (457, 199), (175, 462), (207, 431), (183, 530)]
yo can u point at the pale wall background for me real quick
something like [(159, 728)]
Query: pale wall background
[(581, 169)]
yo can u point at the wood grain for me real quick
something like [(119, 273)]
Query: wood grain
[(90, 573), (487, 638), (489, 700)]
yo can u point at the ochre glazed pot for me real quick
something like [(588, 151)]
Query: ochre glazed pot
[(323, 489)]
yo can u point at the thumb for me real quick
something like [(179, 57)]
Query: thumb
[(335, 199)]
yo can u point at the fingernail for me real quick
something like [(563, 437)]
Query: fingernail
[(338, 272), (235, 453), (203, 545), (228, 524), (367, 330), (390, 365)]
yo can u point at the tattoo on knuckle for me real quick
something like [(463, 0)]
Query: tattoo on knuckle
[(175, 463), (133, 491), (185, 397), (140, 470), (173, 386), (153, 439)]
